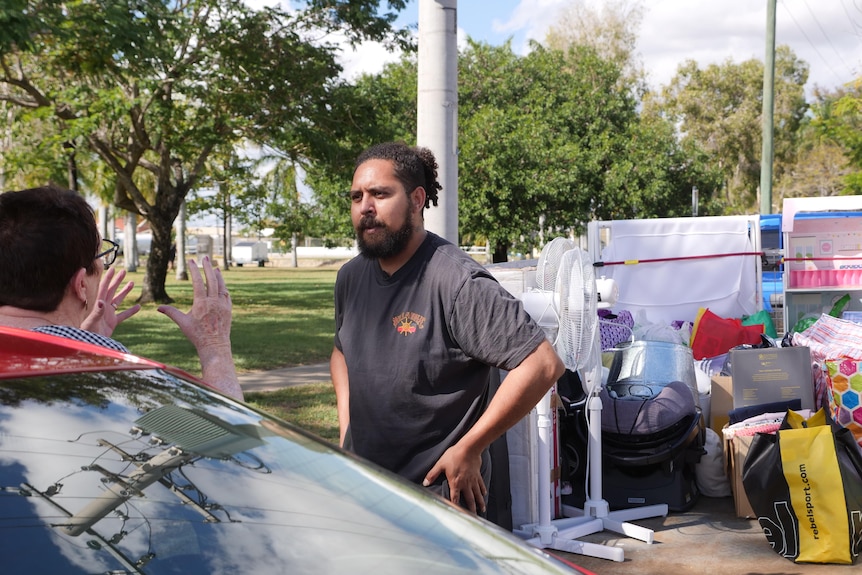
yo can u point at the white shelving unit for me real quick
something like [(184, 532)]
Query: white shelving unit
[(822, 255)]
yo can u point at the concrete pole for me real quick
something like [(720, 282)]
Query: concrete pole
[(437, 124), (180, 260), (130, 243), (768, 112), (103, 221)]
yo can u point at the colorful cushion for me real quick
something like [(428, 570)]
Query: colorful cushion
[(844, 378)]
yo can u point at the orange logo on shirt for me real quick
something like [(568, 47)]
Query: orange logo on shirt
[(408, 322)]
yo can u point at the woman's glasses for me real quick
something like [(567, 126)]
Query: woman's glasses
[(108, 252)]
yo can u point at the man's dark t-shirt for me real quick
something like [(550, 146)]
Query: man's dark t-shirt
[(419, 347)]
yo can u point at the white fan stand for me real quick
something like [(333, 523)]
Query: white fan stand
[(596, 516)]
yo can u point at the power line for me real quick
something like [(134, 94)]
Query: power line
[(822, 31), (813, 46), (856, 27)]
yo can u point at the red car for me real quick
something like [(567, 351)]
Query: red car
[(110, 463)]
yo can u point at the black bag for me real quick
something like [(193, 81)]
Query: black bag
[(804, 484)]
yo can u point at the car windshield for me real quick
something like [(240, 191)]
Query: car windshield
[(141, 472)]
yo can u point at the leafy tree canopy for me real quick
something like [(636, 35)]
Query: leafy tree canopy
[(548, 140), (158, 86), (838, 121), (720, 110)]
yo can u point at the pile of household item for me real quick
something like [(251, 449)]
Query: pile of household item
[(653, 428)]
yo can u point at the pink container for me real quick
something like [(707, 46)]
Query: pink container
[(794, 278), (841, 278), (813, 278)]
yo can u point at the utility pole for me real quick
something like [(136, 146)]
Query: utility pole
[(768, 112), (437, 107)]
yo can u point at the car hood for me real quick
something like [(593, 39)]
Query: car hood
[(137, 469)]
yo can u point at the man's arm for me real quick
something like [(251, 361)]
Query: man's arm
[(520, 391), (338, 371)]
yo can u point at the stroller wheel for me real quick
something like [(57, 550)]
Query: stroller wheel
[(571, 461)]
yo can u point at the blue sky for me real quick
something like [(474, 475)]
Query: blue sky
[(490, 21), (826, 34)]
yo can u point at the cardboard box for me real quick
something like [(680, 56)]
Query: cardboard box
[(735, 450), (772, 374), (720, 402)]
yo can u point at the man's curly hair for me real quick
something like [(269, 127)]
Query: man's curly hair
[(414, 166)]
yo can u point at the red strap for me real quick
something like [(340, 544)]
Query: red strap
[(677, 258)]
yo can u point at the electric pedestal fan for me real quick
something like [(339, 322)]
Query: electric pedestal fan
[(577, 342)]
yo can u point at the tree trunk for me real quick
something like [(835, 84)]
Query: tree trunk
[(180, 261), (501, 252), (6, 142), (157, 264), (71, 166), (161, 216), (226, 241)]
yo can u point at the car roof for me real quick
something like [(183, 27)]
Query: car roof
[(27, 353)]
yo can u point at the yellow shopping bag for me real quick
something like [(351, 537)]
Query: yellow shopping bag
[(805, 486)]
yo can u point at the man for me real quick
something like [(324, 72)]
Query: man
[(55, 278), (419, 327)]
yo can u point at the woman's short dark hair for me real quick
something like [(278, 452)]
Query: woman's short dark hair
[(414, 166), (46, 235)]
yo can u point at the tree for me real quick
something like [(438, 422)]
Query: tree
[(221, 191), (838, 121), (610, 30), (283, 209), (555, 136), (719, 109), (383, 108), (160, 86), (551, 136)]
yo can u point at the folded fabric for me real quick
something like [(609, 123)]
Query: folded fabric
[(742, 413), (768, 422)]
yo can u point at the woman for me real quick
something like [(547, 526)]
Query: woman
[(55, 277)]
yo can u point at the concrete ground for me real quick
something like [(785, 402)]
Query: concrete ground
[(285, 377), (707, 539)]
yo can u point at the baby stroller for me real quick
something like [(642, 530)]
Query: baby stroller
[(653, 431)]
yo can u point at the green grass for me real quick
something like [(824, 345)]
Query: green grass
[(281, 317)]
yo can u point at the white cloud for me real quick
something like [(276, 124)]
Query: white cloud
[(371, 57), (531, 19), (713, 32), (827, 35), (367, 58)]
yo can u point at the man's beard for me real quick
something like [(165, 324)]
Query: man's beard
[(387, 243)]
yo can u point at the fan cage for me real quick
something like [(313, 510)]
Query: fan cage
[(578, 312), (547, 269)]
